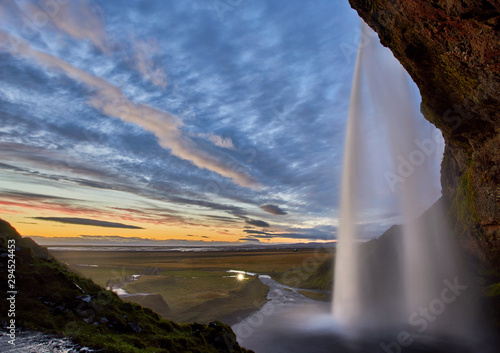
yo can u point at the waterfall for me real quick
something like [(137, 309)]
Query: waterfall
[(412, 280), (406, 290)]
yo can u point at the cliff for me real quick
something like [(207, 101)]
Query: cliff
[(451, 49)]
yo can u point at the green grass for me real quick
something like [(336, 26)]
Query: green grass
[(231, 308), (182, 293), (314, 272), (193, 283), (324, 297), (261, 261)]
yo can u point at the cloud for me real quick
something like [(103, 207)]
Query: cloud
[(41, 202), (223, 219), (79, 19), (83, 20), (255, 240), (306, 236), (143, 54), (116, 240), (219, 141), (271, 81), (87, 222), (252, 231), (50, 160), (257, 223), (320, 233), (28, 196), (224, 142), (110, 100), (273, 209)]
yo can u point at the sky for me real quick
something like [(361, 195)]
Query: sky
[(201, 121)]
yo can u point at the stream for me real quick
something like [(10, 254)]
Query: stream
[(36, 342), (281, 300)]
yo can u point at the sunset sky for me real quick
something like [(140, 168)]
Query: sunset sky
[(193, 120)]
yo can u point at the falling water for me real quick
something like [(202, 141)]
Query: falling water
[(400, 282), (346, 301), (405, 292)]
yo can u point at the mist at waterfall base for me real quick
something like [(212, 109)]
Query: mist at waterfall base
[(407, 291)]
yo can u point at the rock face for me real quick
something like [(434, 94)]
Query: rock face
[(451, 49)]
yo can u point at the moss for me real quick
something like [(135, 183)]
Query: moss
[(463, 208), (493, 290), (463, 85)]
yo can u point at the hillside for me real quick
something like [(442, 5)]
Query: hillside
[(52, 299), (379, 254)]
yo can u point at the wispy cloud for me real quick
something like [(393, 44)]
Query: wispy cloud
[(110, 100), (257, 223), (79, 19), (83, 20), (117, 240), (273, 209), (250, 239), (165, 132), (144, 52), (224, 142), (87, 222)]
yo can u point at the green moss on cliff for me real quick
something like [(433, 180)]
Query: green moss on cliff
[(463, 208)]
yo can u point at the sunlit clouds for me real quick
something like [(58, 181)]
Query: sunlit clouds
[(163, 120)]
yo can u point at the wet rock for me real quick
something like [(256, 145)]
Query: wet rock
[(85, 298), (134, 326)]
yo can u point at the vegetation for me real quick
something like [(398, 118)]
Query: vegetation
[(315, 274), (55, 300), (196, 285), (231, 309), (463, 208)]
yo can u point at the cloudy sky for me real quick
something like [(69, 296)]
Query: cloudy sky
[(197, 120)]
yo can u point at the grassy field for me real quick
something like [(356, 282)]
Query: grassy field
[(196, 285)]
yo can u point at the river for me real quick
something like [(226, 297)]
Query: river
[(36, 342)]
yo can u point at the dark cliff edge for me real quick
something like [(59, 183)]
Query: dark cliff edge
[(50, 298), (451, 49)]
